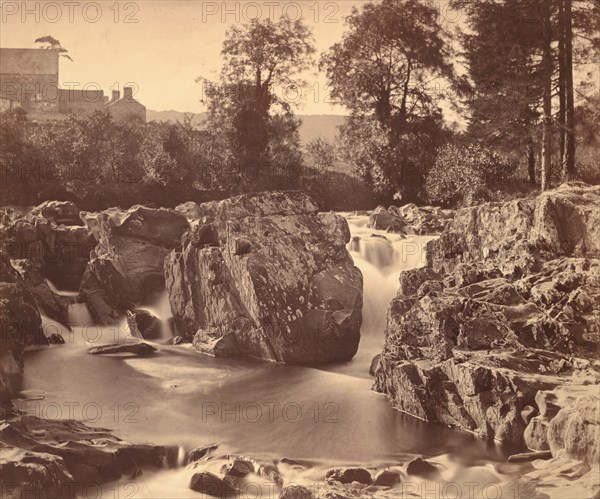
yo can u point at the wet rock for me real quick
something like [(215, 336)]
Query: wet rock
[(296, 492), (211, 485), (387, 478), (51, 236), (137, 473), (6, 394), (421, 467), (7, 272), (54, 306), (349, 475), (239, 467), (128, 258), (198, 453), (382, 219), (518, 307), (529, 456), (269, 472), (137, 348), (410, 219), (21, 324), (149, 325), (38, 452), (294, 297), (56, 339), (374, 364), (102, 307), (297, 463), (58, 212), (575, 430), (26, 472), (177, 340)]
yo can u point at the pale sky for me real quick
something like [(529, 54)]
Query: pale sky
[(170, 45)]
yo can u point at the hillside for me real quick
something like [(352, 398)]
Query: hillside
[(322, 126)]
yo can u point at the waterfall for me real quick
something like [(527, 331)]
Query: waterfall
[(381, 257)]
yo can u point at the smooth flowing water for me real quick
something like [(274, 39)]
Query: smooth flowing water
[(326, 417)]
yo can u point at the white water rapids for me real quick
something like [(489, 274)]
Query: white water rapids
[(327, 417)]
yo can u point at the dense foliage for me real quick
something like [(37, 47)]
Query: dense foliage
[(465, 175), (252, 129), (382, 71)]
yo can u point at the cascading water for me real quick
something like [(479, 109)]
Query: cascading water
[(326, 417), (381, 257)]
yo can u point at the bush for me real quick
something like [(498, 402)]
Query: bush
[(466, 175)]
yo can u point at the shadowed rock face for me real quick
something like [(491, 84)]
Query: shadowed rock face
[(68, 454), (127, 262), (266, 275), (52, 237), (508, 307)]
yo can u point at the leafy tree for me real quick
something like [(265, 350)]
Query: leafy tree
[(49, 42), (322, 155), (521, 55), (465, 174), (504, 88), (383, 70), (252, 129)]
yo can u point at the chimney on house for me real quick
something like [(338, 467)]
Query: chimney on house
[(116, 95), (128, 93)]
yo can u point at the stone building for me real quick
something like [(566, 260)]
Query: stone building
[(74, 101), (126, 108), (30, 77)]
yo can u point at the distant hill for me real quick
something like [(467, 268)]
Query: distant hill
[(173, 116), (313, 126)]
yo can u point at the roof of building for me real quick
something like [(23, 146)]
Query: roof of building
[(78, 95), (123, 101), (28, 61)]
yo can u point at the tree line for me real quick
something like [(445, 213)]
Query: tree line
[(507, 69)]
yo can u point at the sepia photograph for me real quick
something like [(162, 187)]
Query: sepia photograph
[(300, 249)]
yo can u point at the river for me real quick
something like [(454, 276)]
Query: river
[(324, 417)]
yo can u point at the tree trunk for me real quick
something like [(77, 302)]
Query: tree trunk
[(531, 163), (561, 86), (547, 116), (569, 158)]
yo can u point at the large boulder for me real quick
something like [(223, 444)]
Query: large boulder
[(266, 275), (126, 265), (410, 219)]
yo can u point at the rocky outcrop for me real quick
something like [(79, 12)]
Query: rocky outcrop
[(58, 212), (21, 326), (349, 475), (575, 430), (53, 305), (126, 265), (513, 237), (266, 275), (507, 309), (52, 237), (39, 455), (410, 219)]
